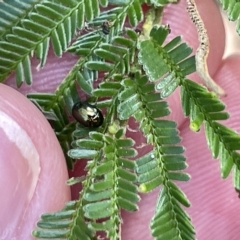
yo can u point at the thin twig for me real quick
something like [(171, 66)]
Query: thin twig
[(203, 49)]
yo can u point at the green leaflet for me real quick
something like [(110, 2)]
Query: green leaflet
[(154, 66), (23, 69), (82, 154), (42, 51), (233, 10), (85, 83)]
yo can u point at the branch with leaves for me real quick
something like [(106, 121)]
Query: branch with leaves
[(127, 73)]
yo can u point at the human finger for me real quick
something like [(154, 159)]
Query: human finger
[(33, 168)]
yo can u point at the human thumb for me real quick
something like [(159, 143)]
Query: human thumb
[(33, 169)]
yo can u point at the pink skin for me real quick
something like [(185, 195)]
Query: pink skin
[(215, 204), (29, 155)]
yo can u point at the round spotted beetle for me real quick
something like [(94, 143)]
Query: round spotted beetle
[(87, 114)]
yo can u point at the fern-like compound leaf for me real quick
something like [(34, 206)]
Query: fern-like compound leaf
[(59, 224), (117, 55), (163, 226), (204, 107), (165, 162), (110, 182), (56, 21), (169, 64)]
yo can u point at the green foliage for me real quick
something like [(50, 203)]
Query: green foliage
[(170, 60), (56, 225), (165, 163), (204, 107), (139, 71), (108, 188), (233, 11), (54, 20)]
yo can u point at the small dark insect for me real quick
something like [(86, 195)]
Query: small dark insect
[(138, 31), (106, 27), (87, 114), (168, 28)]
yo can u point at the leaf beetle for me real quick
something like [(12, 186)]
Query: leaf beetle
[(87, 114)]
